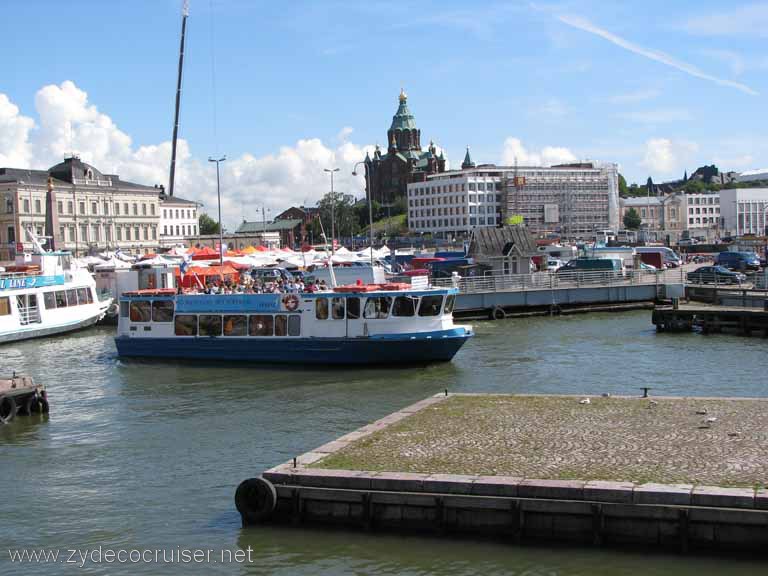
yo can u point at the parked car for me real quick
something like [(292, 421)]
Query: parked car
[(590, 269), (687, 242), (715, 275), (553, 264), (738, 260)]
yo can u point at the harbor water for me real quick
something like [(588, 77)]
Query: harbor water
[(141, 456)]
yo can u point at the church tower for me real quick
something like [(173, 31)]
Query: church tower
[(403, 133)]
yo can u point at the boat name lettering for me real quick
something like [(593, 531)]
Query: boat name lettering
[(30, 282), (222, 303)]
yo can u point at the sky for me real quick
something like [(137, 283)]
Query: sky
[(286, 89)]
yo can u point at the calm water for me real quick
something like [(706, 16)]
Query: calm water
[(141, 455)]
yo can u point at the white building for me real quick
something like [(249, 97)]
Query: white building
[(702, 211), (178, 220), (92, 211), (743, 211)]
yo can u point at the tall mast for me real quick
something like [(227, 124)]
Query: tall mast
[(184, 15)]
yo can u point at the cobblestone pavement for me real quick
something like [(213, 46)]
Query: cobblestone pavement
[(624, 439)]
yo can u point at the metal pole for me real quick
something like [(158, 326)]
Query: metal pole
[(185, 14), (333, 206), (221, 228), (369, 195)]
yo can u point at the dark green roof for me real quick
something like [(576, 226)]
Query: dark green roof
[(256, 227), (403, 119)]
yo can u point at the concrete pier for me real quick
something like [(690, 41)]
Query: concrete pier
[(676, 473), (711, 319)]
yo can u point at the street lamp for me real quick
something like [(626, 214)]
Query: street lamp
[(333, 206), (221, 228), (369, 195)]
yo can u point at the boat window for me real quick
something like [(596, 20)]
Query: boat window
[(49, 298), (449, 303), (377, 307), (162, 311), (72, 297), (89, 295), (235, 325), (61, 299), (124, 309), (353, 308), (337, 307), (82, 295), (185, 325), (404, 306), (430, 305), (321, 308), (209, 325), (5, 306), (260, 325), (281, 325), (294, 325), (140, 311)]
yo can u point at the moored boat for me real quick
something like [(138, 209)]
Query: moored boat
[(46, 293), (365, 324)]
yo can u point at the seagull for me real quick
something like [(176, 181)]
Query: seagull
[(710, 420), (702, 412), (585, 401)]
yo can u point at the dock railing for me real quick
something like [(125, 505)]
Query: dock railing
[(554, 281)]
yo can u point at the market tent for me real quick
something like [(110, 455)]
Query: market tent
[(204, 273), (249, 250), (205, 253)]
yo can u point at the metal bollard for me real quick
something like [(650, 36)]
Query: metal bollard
[(675, 303)]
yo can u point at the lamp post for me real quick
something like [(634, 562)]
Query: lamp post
[(333, 207), (221, 228), (369, 195)]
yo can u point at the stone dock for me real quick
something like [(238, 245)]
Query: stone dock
[(679, 473)]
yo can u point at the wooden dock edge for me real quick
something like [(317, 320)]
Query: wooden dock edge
[(679, 516)]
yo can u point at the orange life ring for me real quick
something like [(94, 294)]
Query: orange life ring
[(291, 302)]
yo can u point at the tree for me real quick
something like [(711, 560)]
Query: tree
[(622, 186), (632, 219), (344, 214), (207, 224)]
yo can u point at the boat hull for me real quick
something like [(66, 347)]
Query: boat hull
[(42, 332), (382, 350)]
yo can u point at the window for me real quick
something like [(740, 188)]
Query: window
[(60, 207), (94, 208), (353, 308), (143, 209), (135, 209), (72, 297), (70, 207), (430, 305), (154, 233), (125, 208), (96, 236), (260, 325), (119, 232), (185, 325), (146, 234), (38, 207), (235, 325), (61, 232), (26, 205), (71, 233), (140, 311), (209, 325), (281, 325), (81, 207), (337, 308), (127, 233), (449, 303), (162, 311), (5, 306), (61, 299), (404, 306), (377, 307), (294, 325), (82, 295), (117, 208), (136, 235), (49, 299), (108, 233), (321, 308), (152, 209)]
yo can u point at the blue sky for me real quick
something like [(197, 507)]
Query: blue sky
[(658, 87)]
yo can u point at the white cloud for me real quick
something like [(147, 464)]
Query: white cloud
[(547, 156), (15, 149), (656, 55), (630, 97), (664, 156), (747, 20), (68, 122)]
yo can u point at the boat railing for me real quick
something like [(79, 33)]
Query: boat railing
[(26, 273)]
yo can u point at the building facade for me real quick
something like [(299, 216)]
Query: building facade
[(178, 220), (658, 213), (573, 200), (702, 211), (92, 210), (404, 162), (744, 211)]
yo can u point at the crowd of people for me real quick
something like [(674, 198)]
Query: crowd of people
[(250, 285)]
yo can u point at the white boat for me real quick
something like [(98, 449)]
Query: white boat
[(46, 293)]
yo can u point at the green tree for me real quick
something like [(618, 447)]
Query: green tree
[(207, 224), (632, 219), (622, 186), (344, 215)]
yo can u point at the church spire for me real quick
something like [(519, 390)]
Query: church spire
[(467, 161), (403, 128)]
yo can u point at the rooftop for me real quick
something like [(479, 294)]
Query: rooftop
[(256, 227)]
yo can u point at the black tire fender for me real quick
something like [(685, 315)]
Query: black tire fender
[(8, 409), (255, 499), (497, 313)]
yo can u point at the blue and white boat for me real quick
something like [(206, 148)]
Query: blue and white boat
[(379, 324), (46, 293)]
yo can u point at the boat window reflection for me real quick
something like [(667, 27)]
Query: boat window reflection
[(209, 325), (404, 306), (235, 325), (294, 325), (260, 325), (430, 305), (321, 308), (449, 302), (337, 308), (377, 307), (5, 306), (281, 325), (140, 311), (185, 325), (353, 308), (162, 311)]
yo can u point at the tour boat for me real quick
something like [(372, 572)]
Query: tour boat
[(388, 324), (46, 293)]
